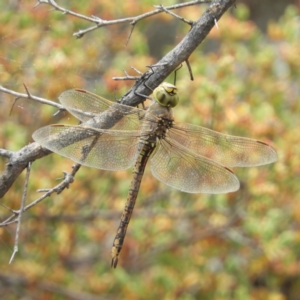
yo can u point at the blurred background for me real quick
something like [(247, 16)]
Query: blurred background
[(243, 245)]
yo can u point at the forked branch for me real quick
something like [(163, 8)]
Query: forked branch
[(16, 214), (131, 20), (18, 161)]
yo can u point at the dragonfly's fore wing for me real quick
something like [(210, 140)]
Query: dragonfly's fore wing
[(116, 150), (179, 168), (228, 150), (85, 106)]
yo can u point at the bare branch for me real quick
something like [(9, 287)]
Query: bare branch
[(68, 179), (130, 33), (136, 70), (28, 95), (161, 7), (68, 12), (177, 55), (9, 220), (19, 160), (16, 248), (127, 77), (132, 20)]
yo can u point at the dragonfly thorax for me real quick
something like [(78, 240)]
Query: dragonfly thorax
[(159, 119), (163, 126)]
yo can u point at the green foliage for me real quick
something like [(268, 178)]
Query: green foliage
[(243, 245)]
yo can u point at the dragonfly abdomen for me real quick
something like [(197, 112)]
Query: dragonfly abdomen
[(138, 171)]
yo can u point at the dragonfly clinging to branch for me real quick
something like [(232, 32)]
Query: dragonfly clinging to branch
[(186, 157)]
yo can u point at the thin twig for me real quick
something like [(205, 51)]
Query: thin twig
[(28, 95), (136, 70), (68, 178), (163, 8), (127, 77), (68, 12), (101, 23), (10, 220), (16, 248), (130, 32)]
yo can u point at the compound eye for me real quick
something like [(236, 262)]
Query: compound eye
[(166, 94)]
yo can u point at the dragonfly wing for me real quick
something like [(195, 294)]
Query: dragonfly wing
[(179, 168), (85, 106), (107, 150), (228, 150)]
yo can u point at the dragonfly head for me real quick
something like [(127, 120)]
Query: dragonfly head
[(166, 94)]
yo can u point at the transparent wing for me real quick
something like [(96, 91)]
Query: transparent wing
[(183, 170), (110, 150), (85, 106), (232, 151)]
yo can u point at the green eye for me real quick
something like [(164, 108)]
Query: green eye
[(166, 94)]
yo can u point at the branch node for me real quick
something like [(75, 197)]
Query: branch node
[(97, 20)]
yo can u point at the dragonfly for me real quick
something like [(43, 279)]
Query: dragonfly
[(113, 136)]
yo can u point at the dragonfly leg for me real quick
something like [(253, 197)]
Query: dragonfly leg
[(151, 67)]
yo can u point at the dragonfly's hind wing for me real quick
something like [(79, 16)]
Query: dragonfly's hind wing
[(228, 150), (85, 106), (110, 150), (181, 169)]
